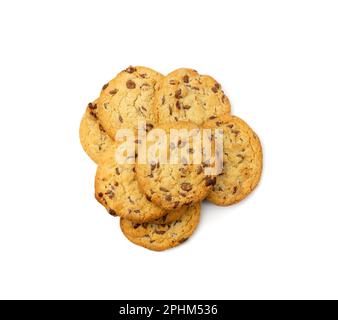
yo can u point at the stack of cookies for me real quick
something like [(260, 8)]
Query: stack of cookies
[(159, 202)]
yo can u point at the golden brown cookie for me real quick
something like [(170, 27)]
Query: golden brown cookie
[(117, 189), (170, 216), (184, 94), (243, 161), (128, 98), (160, 237), (94, 140), (172, 185)]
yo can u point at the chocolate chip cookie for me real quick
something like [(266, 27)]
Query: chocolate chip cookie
[(171, 184), (242, 161), (117, 189), (127, 98), (160, 237), (94, 139), (184, 94)]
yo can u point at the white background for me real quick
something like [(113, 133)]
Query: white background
[(278, 63)]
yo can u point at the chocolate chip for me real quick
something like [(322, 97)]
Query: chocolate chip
[(168, 197), (241, 157), (117, 171), (199, 169), (163, 100), (112, 212), (159, 232), (105, 86), (113, 92), (178, 105), (186, 107), (131, 84), (136, 225), (178, 94), (172, 82), (100, 194), (92, 106), (93, 114), (137, 211), (210, 181), (130, 69), (234, 190), (148, 198), (186, 79), (183, 170), (101, 128), (214, 89), (130, 200), (186, 186), (149, 126), (212, 117), (235, 132), (164, 189), (120, 118), (143, 75), (170, 110)]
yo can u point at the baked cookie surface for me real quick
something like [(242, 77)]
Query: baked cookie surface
[(184, 94), (127, 98), (242, 160), (160, 237), (94, 140), (170, 216), (117, 189), (172, 185)]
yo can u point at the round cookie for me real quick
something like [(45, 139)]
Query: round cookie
[(94, 140), (242, 161), (172, 185), (164, 236), (117, 189), (128, 98), (186, 95)]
